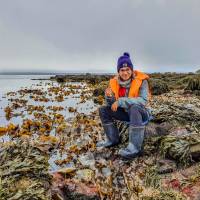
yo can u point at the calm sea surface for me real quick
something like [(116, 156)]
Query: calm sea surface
[(17, 82)]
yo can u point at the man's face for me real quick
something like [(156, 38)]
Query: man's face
[(125, 73)]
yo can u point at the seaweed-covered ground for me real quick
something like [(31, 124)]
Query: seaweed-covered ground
[(49, 135)]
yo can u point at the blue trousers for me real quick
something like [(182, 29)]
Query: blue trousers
[(137, 115)]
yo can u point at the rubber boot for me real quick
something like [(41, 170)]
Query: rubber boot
[(136, 137), (112, 135)]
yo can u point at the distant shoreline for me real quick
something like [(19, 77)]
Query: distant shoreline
[(83, 73), (54, 73)]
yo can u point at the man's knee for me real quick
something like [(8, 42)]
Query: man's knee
[(134, 108)]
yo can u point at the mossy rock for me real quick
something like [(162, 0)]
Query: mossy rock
[(158, 87), (183, 82), (198, 71), (96, 79), (194, 84), (61, 78)]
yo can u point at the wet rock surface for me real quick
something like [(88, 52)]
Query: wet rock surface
[(23, 172), (66, 188), (167, 169)]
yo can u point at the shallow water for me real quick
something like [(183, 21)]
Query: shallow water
[(16, 83)]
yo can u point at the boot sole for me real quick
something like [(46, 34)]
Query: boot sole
[(112, 145), (129, 158), (108, 146)]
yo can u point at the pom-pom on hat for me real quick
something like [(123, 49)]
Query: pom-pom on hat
[(124, 61)]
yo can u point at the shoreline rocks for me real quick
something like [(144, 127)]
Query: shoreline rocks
[(175, 128)]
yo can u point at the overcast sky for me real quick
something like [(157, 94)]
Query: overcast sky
[(89, 35)]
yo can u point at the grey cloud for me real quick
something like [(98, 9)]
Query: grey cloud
[(160, 35)]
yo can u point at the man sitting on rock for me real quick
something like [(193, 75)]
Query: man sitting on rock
[(126, 98)]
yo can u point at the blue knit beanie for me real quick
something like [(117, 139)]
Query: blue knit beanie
[(124, 61)]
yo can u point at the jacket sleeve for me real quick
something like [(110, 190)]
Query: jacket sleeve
[(142, 99)]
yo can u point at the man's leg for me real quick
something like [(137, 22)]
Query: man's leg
[(137, 115), (111, 131), (107, 115)]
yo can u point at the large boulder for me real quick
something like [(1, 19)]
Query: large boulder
[(158, 87), (61, 78)]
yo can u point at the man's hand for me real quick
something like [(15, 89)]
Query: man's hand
[(108, 92), (114, 106)]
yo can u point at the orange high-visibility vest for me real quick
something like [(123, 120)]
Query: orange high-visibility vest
[(135, 84)]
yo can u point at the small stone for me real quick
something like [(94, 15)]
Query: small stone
[(85, 174), (67, 170), (106, 171), (87, 159), (166, 166)]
